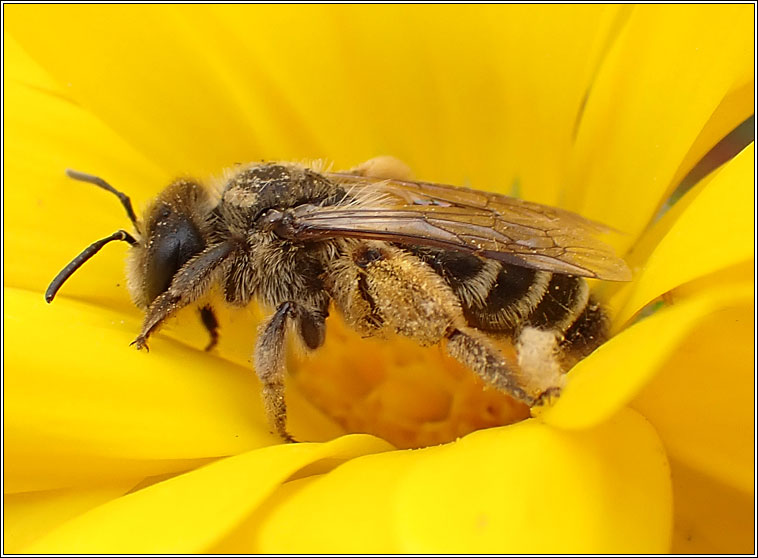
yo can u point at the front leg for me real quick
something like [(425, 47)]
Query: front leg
[(190, 283), (269, 357)]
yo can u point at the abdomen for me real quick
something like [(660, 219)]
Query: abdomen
[(503, 298)]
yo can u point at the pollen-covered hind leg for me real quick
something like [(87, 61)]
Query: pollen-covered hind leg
[(538, 359), (410, 299), (497, 369), (270, 357), (530, 373)]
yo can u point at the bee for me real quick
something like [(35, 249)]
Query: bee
[(432, 262)]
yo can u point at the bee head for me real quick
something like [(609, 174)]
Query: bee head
[(173, 230)]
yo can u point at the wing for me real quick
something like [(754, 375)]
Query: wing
[(461, 219)]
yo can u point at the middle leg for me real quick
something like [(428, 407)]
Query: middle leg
[(270, 356), (210, 323)]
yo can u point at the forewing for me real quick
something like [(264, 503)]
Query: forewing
[(487, 224)]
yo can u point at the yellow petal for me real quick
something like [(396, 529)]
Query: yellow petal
[(162, 76), (614, 374), (451, 110), (734, 109), (715, 231), (710, 517), (350, 510), (227, 87), (668, 71), (187, 514), (70, 418), (84, 405), (703, 401), (504, 490), (614, 479), (50, 218), (30, 515)]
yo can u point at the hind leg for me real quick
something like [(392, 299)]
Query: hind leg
[(401, 293), (499, 370), (530, 372)]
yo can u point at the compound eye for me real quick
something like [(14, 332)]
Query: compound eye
[(174, 240)]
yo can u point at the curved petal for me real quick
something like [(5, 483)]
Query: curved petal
[(614, 374), (710, 517), (504, 490), (337, 83), (703, 400), (667, 73), (105, 411), (614, 479), (715, 231), (187, 514), (49, 218), (29, 515), (350, 510), (735, 108), (163, 96)]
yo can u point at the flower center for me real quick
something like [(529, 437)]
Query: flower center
[(411, 396)]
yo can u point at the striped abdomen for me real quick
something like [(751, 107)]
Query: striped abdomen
[(503, 298)]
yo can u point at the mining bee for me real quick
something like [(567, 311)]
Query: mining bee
[(431, 262)]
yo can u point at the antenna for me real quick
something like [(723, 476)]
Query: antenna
[(79, 260), (97, 181)]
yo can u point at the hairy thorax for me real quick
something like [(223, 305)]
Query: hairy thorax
[(268, 268)]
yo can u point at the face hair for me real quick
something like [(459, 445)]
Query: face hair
[(79, 260), (97, 181)]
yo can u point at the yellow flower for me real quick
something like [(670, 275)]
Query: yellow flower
[(602, 110)]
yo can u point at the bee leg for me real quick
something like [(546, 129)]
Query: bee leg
[(538, 360), (270, 357), (411, 299), (190, 283), (211, 324), (498, 370)]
